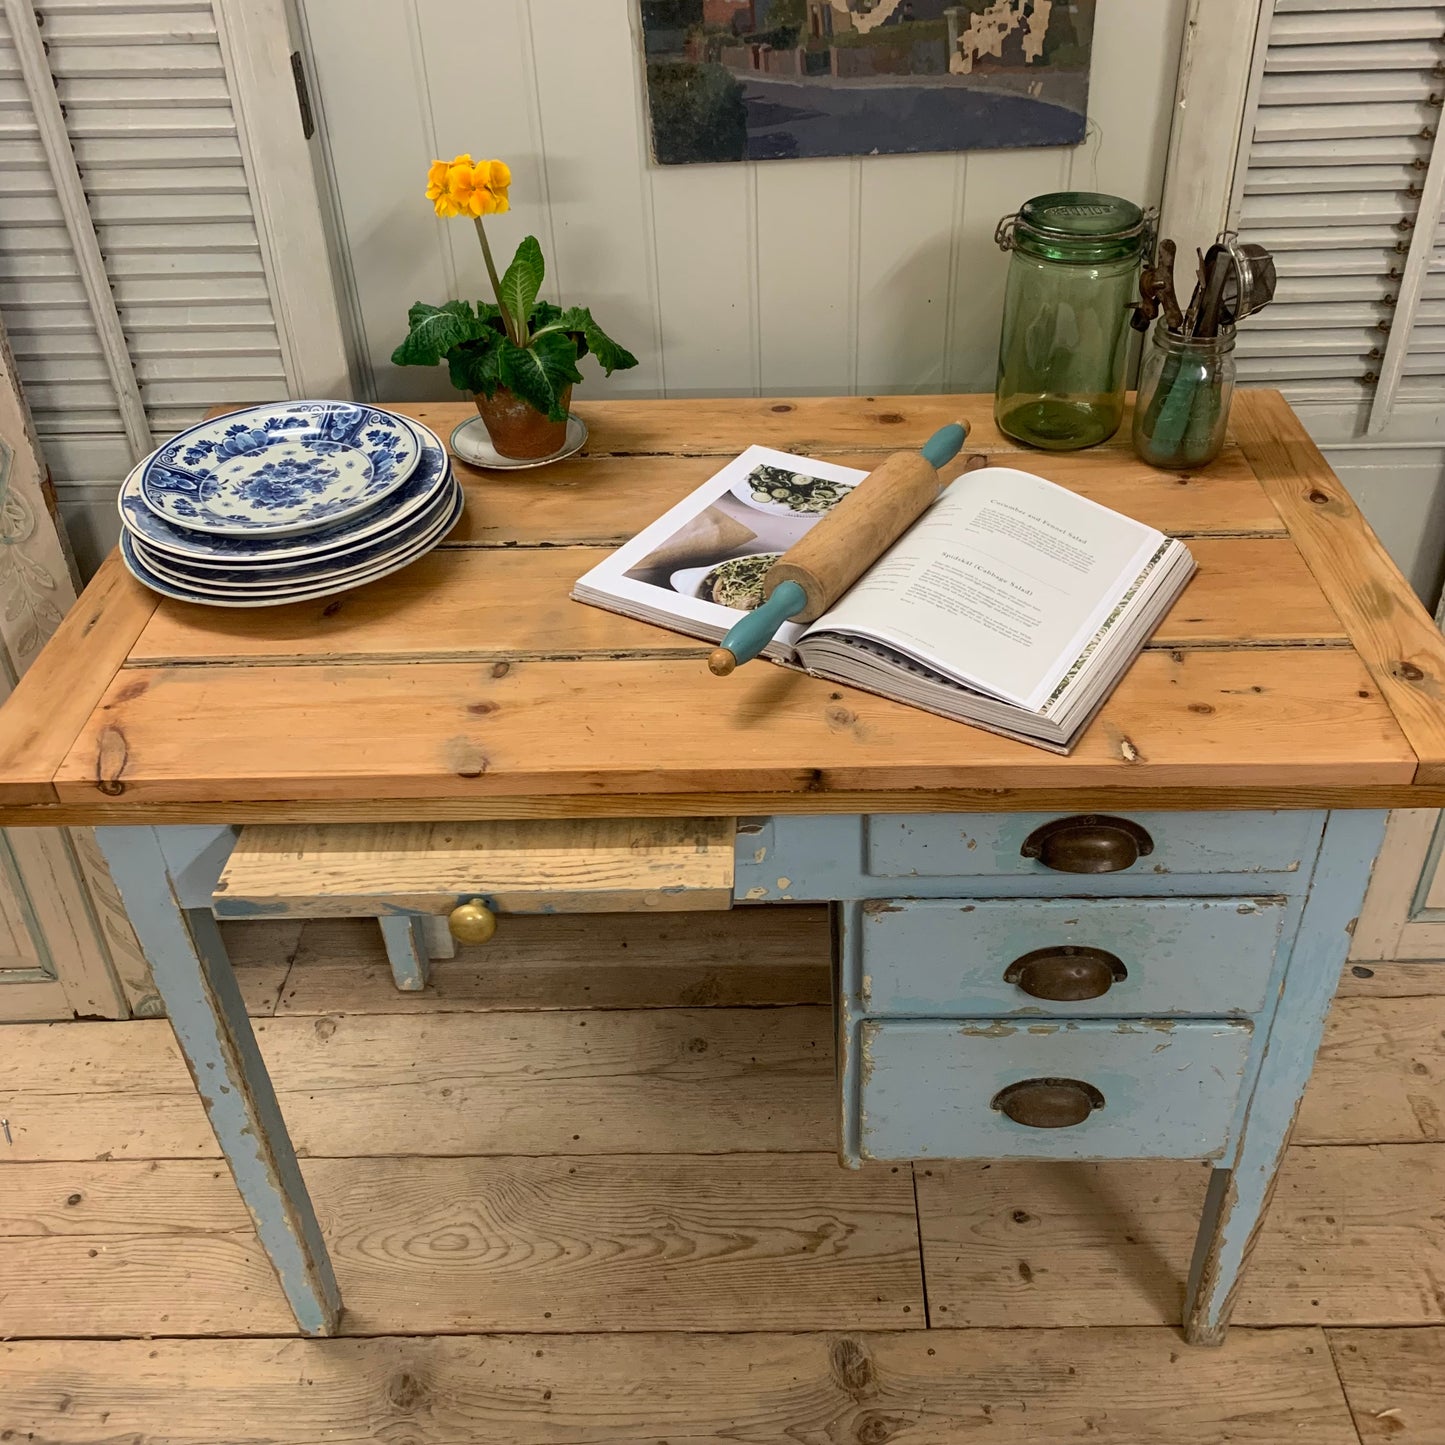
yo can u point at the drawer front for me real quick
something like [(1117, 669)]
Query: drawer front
[(961, 855), (931, 1089), (937, 845), (1177, 955)]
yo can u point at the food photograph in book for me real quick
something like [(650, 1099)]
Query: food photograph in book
[(721, 554), (701, 565)]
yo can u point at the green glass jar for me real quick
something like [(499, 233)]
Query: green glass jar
[(1073, 277)]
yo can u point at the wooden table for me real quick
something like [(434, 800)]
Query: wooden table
[(1293, 693)]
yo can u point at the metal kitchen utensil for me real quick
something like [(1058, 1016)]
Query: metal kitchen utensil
[(1251, 282)]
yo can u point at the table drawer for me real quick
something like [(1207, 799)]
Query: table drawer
[(1038, 956), (1011, 845), (937, 1090), (596, 865)]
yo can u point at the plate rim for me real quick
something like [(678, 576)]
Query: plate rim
[(170, 591), (295, 528), (438, 529), (294, 547)]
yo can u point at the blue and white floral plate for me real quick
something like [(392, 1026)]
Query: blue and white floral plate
[(367, 553), (279, 469), (308, 592), (424, 486), (292, 576)]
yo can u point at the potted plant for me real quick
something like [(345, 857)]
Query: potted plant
[(518, 355)]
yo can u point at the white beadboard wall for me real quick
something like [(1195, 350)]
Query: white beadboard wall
[(815, 276)]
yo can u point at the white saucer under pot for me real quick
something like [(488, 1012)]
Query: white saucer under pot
[(473, 444)]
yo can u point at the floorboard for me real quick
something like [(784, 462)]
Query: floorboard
[(754, 1242), (1380, 1074), (546, 1082), (1395, 1383), (1020, 1387), (749, 956), (1353, 1237), (1392, 980)]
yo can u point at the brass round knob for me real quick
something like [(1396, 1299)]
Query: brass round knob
[(1048, 1103), (1066, 974), (1088, 843), (472, 922)]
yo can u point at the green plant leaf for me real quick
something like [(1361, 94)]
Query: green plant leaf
[(612, 356), (434, 330), (577, 322), (476, 365), (539, 373), (522, 281)]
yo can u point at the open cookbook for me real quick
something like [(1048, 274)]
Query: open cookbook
[(1011, 603)]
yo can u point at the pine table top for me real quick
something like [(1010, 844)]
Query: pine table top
[(1297, 670)]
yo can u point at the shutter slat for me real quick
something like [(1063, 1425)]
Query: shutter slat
[(1405, 55), (1333, 208), (1305, 180), (1364, 151), (142, 26), (69, 62), (1345, 264), (147, 91), (1329, 122), (1329, 88), (1362, 25)]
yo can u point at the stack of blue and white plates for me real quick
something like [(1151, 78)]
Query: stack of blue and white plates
[(286, 503)]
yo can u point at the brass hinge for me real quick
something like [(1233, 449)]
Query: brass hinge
[(303, 96)]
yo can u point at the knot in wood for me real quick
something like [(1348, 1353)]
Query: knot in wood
[(1409, 672), (852, 1367)]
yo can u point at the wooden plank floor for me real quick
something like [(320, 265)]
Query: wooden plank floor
[(581, 1189)]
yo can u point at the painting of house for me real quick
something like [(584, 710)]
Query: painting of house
[(777, 79)]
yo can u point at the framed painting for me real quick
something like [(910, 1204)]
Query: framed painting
[(732, 80)]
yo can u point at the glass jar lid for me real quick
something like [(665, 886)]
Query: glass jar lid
[(1076, 226)]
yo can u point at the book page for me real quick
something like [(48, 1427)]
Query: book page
[(999, 584), (700, 566)]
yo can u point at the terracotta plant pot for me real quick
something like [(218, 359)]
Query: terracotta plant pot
[(519, 430)]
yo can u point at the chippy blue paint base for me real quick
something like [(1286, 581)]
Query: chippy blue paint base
[(406, 950), (1234, 930), (952, 855), (206, 1011), (1239, 1197)]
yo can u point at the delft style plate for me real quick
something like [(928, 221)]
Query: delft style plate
[(367, 553), (279, 469), (472, 442), (186, 593), (298, 577), (432, 472)]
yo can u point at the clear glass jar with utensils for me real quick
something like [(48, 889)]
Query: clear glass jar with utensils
[(1072, 279), (1185, 387)]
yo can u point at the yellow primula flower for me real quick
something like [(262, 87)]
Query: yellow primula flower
[(480, 189), (438, 185)]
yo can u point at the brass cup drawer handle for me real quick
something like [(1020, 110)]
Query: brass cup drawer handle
[(1048, 1103), (1066, 974), (1088, 843), (472, 922)]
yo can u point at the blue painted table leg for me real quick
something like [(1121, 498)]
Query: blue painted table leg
[(203, 1002), (1238, 1198), (406, 949)]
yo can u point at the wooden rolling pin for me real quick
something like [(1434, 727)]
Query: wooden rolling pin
[(817, 570)]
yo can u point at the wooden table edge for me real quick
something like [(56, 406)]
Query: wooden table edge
[(1390, 630), (1386, 795)]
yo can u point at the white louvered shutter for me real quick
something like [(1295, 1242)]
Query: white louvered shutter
[(1338, 182), (148, 92)]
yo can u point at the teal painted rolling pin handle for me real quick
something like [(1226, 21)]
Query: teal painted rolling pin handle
[(816, 571)]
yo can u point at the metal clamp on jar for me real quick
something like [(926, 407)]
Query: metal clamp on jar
[(1072, 281)]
